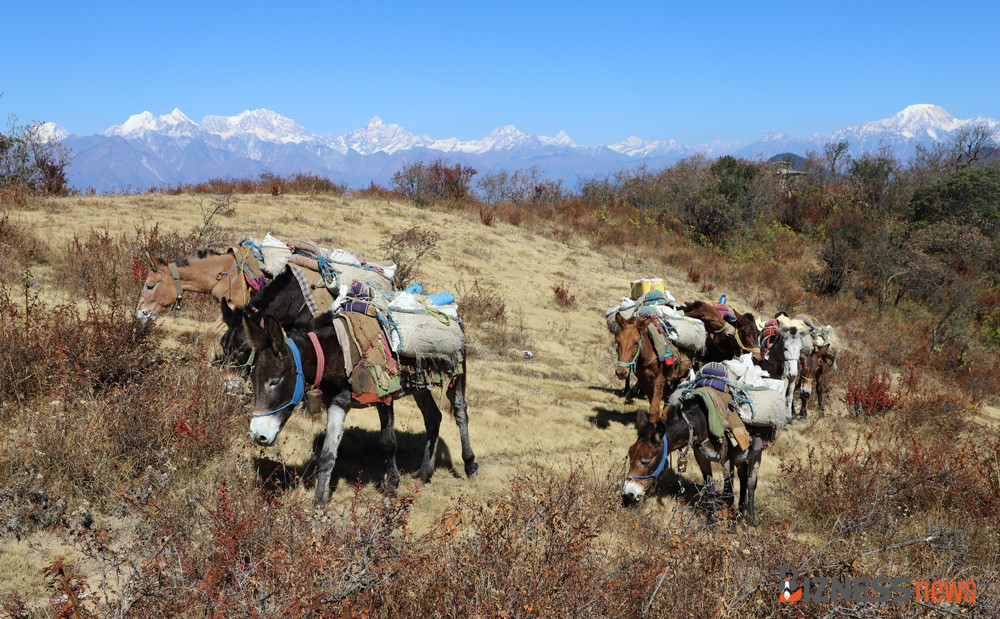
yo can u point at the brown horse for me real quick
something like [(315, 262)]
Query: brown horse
[(813, 370), (205, 272), (222, 275), (725, 340), (637, 355), (686, 425)]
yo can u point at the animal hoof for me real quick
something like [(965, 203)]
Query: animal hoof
[(471, 468)]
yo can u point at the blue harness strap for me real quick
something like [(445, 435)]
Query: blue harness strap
[(300, 381), (664, 461)]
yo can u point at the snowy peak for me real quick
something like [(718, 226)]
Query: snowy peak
[(263, 124), (638, 147), (376, 136), (560, 139), (175, 124), (922, 119), (245, 132), (507, 137), (915, 121), (923, 114), (177, 150), (50, 132)]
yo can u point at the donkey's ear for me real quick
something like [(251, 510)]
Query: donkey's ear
[(642, 423), (229, 315), (661, 428), (643, 321), (256, 335), (276, 334), (619, 319), (153, 262)]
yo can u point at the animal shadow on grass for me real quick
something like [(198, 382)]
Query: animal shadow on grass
[(672, 487), (629, 394), (359, 458), (603, 417)]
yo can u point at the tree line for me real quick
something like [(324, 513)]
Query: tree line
[(887, 232)]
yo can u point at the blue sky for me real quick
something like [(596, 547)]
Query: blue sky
[(600, 71)]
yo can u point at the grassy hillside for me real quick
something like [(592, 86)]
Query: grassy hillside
[(176, 518)]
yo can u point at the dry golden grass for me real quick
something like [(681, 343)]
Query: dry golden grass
[(555, 411), (551, 410)]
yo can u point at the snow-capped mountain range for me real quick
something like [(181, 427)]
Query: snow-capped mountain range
[(151, 151)]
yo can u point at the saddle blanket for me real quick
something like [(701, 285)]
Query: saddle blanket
[(374, 374), (659, 333), (723, 420)]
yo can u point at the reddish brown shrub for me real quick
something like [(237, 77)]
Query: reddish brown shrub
[(480, 303), (872, 395), (487, 214), (19, 249), (563, 296), (376, 192)]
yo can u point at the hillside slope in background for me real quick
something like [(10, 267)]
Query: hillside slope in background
[(556, 411)]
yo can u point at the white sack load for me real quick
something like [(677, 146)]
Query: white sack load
[(343, 258), (346, 274), (769, 406), (626, 308), (340, 256), (691, 333), (426, 335), (275, 253), (745, 373), (410, 303)]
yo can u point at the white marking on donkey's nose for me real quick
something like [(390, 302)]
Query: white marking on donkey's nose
[(633, 490), (264, 430)]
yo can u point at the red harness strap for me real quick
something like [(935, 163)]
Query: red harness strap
[(320, 359), (767, 336)]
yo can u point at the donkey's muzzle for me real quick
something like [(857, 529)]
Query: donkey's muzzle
[(260, 439), (632, 493)]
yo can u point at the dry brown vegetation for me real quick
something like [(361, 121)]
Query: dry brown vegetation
[(128, 486)]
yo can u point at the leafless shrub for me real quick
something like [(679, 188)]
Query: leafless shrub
[(406, 248)]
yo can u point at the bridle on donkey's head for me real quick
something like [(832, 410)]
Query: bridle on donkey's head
[(300, 381), (177, 285), (631, 364), (664, 461)]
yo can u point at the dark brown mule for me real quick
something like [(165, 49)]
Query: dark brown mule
[(813, 371), (724, 340), (637, 355), (311, 351), (686, 424)]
